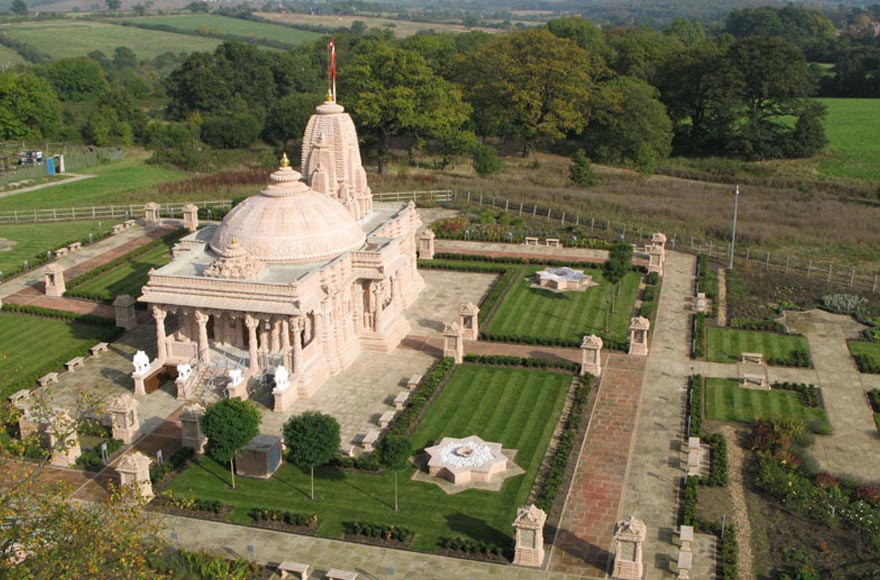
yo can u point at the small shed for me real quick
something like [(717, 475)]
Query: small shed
[(260, 458)]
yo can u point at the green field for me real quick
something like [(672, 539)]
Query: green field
[(225, 25), (536, 312), (9, 57), (517, 408), (30, 240), (62, 38), (726, 345), (31, 347), (727, 401), (853, 148), (128, 278), (130, 180)]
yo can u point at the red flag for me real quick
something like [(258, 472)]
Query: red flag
[(332, 48)]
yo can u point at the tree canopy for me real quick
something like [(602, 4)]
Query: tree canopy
[(312, 439), (229, 425), (29, 108)]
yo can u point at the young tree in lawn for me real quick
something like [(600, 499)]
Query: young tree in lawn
[(394, 452), (229, 425), (312, 439), (616, 267)]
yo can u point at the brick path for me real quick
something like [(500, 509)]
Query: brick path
[(435, 345)]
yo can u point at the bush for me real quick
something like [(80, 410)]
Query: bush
[(211, 506), (378, 531), (797, 358), (231, 132), (89, 319), (808, 394), (652, 279), (695, 394), (486, 161), (699, 350), (649, 310), (865, 362), (91, 459), (582, 170), (874, 398), (650, 293), (289, 518), (842, 303), (364, 462), (504, 360), (765, 325), (469, 546), (173, 463), (718, 466)]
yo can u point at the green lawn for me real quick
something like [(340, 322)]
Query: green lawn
[(128, 278), (727, 401), (871, 349), (78, 38), (225, 25), (130, 180), (31, 347), (516, 407), (726, 345), (537, 312), (852, 126), (31, 239)]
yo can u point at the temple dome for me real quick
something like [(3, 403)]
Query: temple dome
[(288, 222)]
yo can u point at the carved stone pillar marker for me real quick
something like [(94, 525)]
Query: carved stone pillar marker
[(426, 245), (134, 470), (191, 217), (296, 325), (638, 336), (123, 412), (659, 239), (161, 340), (628, 537), (202, 321), (54, 278), (655, 259), (251, 323), (453, 342), (529, 525), (469, 321), (591, 355), (191, 432), (125, 316), (151, 214)]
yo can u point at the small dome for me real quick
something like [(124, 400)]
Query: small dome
[(288, 222)]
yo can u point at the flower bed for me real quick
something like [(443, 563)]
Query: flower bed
[(284, 521), (377, 534), (459, 547), (206, 509)]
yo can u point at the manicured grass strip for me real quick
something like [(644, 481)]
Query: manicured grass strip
[(215, 24), (868, 353), (30, 347), (30, 240), (727, 401), (516, 407), (726, 345), (128, 278)]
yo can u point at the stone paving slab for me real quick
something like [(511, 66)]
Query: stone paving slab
[(520, 251), (445, 291)]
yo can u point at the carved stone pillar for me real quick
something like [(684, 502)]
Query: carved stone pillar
[(638, 336), (529, 525), (264, 337), (285, 342), (297, 324), (202, 321), (161, 340), (252, 324), (591, 355), (276, 335)]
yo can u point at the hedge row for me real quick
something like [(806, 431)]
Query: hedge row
[(290, 518), (498, 291), (699, 335), (652, 279), (695, 394), (797, 358), (866, 363), (515, 361), (211, 506), (874, 398), (765, 325), (89, 319), (538, 261), (42, 258), (177, 459), (260, 40), (92, 460), (421, 397), (728, 563), (808, 394), (649, 311), (718, 467), (469, 546), (650, 293), (563, 452), (380, 531), (363, 462), (609, 343), (461, 267)]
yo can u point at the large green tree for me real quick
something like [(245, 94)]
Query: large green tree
[(530, 84), (393, 92), (312, 439), (77, 78), (229, 425), (19, 7), (29, 108), (394, 452)]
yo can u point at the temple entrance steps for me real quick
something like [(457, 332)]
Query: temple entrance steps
[(208, 386)]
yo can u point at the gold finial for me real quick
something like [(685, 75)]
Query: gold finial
[(284, 161), (330, 98), (233, 241)]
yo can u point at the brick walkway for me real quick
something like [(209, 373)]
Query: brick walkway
[(435, 345), (585, 536)]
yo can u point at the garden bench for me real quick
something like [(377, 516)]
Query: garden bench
[(385, 419), (61, 252), (553, 242), (531, 241), (413, 382), (753, 357), (118, 228), (99, 348), (48, 378), (74, 363), (300, 571), (693, 443), (686, 535), (400, 400), (128, 224), (701, 302), (755, 380), (693, 464), (369, 440), (21, 395), (74, 246), (334, 574), (685, 563)]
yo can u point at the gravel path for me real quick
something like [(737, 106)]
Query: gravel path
[(735, 460)]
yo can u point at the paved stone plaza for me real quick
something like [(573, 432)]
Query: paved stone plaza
[(444, 293)]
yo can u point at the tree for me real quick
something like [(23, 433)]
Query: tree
[(529, 84), (76, 79), (19, 7), (139, 9), (394, 452), (582, 170), (113, 5), (229, 425), (288, 117), (584, 33), (617, 266), (230, 132), (486, 160), (124, 57), (312, 439), (29, 108)]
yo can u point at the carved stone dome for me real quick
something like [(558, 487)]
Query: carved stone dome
[(288, 222)]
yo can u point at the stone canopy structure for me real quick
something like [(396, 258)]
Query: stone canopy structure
[(306, 274)]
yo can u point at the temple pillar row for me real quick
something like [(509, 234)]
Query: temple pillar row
[(202, 320), (161, 339)]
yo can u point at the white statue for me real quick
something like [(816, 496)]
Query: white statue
[(235, 377), (282, 379), (141, 362), (184, 372)]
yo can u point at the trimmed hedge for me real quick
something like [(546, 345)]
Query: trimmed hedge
[(364, 462), (809, 394), (429, 387), (874, 398), (289, 518), (609, 344), (649, 310), (765, 325), (89, 319), (718, 466), (699, 350), (493, 297), (211, 506), (378, 531), (865, 362), (469, 546), (650, 293), (91, 459), (652, 279), (797, 358), (515, 361), (695, 393)]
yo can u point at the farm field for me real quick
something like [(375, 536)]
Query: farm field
[(24, 352), (531, 402), (29, 241), (9, 57), (401, 28), (852, 127), (226, 25), (128, 278), (536, 312), (727, 401), (76, 38), (726, 345)]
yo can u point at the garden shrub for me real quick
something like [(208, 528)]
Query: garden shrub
[(768, 325), (173, 463), (695, 394), (652, 279), (364, 462), (289, 518), (505, 360), (89, 319), (378, 531), (699, 335), (91, 459), (808, 394), (842, 303), (650, 293), (469, 546), (874, 398), (718, 464), (799, 357), (648, 310), (211, 506), (865, 362)]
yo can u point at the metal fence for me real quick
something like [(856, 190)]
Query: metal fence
[(72, 162)]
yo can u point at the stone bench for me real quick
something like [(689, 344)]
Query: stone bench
[(334, 574), (554, 242), (753, 357), (60, 252), (413, 382), (118, 228), (693, 443), (400, 400), (693, 463), (300, 571), (531, 241), (686, 535), (22, 395), (48, 378), (369, 440), (685, 563), (99, 348), (75, 363), (755, 381), (74, 246), (385, 419), (128, 224)]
